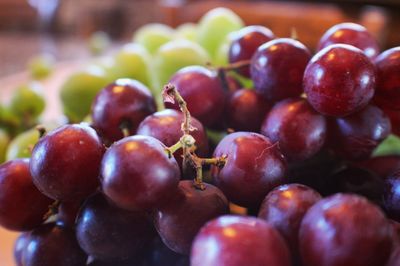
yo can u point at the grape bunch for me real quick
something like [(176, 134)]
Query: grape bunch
[(276, 157)]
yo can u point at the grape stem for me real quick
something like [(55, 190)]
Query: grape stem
[(187, 142), (53, 210)]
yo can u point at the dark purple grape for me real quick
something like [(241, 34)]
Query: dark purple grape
[(277, 68), (383, 166), (166, 126), (395, 257), (68, 212), (388, 78), (159, 254), (355, 136), (179, 221), (137, 173), (203, 92), (244, 44), (394, 116), (51, 245), (20, 246), (391, 196), (284, 209), (122, 104), (22, 205), (246, 110), (356, 180), (339, 80), (65, 163), (106, 232), (345, 229), (254, 166), (297, 128), (237, 241), (353, 34)]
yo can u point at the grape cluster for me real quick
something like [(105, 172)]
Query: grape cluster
[(282, 174)]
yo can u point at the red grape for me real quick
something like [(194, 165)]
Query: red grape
[(246, 110), (179, 221), (391, 196), (237, 241), (67, 212), (254, 166), (395, 257), (22, 205), (137, 173), (166, 126), (339, 80), (298, 129), (65, 163), (51, 245), (383, 166), (277, 68), (345, 229), (357, 135), (353, 34), (394, 116), (203, 92), (245, 42), (20, 246), (124, 103), (388, 78), (284, 209)]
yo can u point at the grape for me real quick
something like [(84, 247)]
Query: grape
[(4, 140), (234, 240), (166, 126), (345, 229), (99, 41), (214, 26), (175, 55), (179, 221), (21, 146), (41, 66), (245, 42), (390, 146), (153, 35), (277, 68), (20, 246), (124, 103), (107, 232), (28, 100), (65, 163), (137, 173), (203, 93), (339, 80), (388, 78), (357, 135), (22, 206), (284, 209), (51, 245), (79, 90), (159, 254), (68, 212), (382, 166), (187, 31), (299, 130), (394, 116), (395, 257), (253, 168), (133, 61), (353, 34), (391, 196), (356, 180)]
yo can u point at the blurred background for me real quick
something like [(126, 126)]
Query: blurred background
[(61, 27)]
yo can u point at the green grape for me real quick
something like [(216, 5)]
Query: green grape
[(187, 31), (21, 146), (9, 121), (390, 146), (153, 35), (246, 83), (28, 100), (133, 61), (221, 57), (79, 90), (175, 55), (4, 139), (107, 64), (41, 66), (99, 41), (214, 26)]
